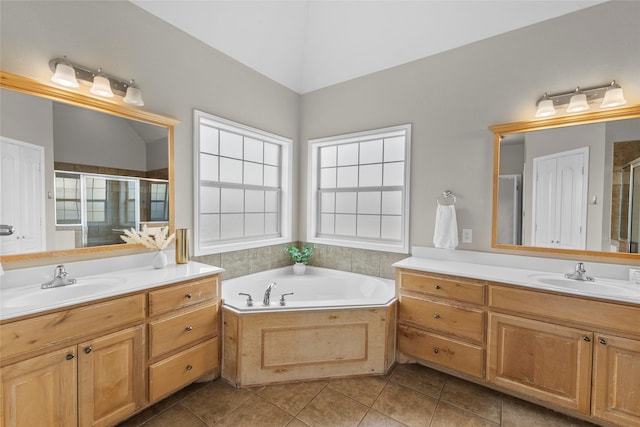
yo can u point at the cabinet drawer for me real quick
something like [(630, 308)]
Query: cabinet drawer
[(183, 368), (173, 332), (47, 330), (452, 354), (457, 288), (184, 295), (444, 318), (600, 315)]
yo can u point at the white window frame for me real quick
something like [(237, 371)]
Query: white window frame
[(313, 180), (286, 185)]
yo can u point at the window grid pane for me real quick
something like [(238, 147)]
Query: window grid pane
[(240, 185), (372, 170)]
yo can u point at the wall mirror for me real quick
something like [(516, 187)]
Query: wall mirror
[(569, 185), (77, 170)]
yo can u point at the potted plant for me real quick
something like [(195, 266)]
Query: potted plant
[(158, 241), (300, 256)]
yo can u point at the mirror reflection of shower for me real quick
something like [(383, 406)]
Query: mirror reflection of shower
[(631, 175)]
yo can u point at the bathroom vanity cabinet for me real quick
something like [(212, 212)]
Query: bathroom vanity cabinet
[(93, 365), (441, 319), (576, 353)]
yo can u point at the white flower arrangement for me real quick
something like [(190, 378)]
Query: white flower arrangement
[(157, 241)]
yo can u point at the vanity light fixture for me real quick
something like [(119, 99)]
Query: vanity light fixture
[(64, 74), (545, 107), (578, 100), (133, 96), (68, 74), (101, 85)]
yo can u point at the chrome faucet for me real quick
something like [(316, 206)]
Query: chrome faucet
[(59, 279), (267, 294), (579, 274)]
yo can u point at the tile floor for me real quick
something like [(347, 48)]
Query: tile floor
[(410, 395)]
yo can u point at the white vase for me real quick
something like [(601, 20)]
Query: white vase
[(159, 260), (299, 268)]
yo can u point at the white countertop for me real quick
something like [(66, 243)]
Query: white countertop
[(28, 298), (602, 288)]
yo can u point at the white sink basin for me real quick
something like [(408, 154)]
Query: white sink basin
[(601, 287), (36, 296)]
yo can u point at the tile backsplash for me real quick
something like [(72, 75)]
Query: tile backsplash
[(241, 263)]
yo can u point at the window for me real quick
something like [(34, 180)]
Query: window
[(159, 201), (242, 182), (359, 189), (68, 199), (96, 189)]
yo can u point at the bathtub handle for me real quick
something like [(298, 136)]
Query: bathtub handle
[(282, 300), (249, 299)]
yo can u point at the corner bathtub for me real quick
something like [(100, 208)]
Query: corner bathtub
[(335, 324)]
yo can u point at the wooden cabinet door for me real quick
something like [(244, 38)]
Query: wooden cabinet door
[(111, 377), (40, 391), (542, 360), (616, 377)]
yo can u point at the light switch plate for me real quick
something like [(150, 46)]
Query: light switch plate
[(634, 275)]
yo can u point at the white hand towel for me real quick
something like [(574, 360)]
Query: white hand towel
[(445, 234)]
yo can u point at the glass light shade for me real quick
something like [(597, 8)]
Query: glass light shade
[(133, 97), (578, 103), (613, 98), (545, 108), (65, 75), (101, 87)]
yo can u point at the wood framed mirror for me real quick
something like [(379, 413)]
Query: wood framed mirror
[(565, 185), (93, 168)]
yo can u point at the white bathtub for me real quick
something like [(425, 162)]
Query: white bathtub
[(318, 288), (336, 324)]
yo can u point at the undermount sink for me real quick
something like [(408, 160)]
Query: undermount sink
[(36, 296), (596, 287)]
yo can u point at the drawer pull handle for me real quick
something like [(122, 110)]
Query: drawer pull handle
[(87, 350), (587, 339), (70, 356), (189, 328), (602, 341), (436, 316), (436, 350), (189, 367), (188, 295), (437, 287)]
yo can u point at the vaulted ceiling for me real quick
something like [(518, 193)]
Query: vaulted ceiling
[(310, 44)]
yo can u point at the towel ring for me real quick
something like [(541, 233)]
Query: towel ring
[(446, 199)]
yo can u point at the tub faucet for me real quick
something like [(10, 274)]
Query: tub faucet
[(579, 274), (59, 279), (267, 294)]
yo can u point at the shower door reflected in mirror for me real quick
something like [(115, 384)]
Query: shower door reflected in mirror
[(629, 208), (94, 210)]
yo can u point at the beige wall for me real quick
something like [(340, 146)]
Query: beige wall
[(451, 98)]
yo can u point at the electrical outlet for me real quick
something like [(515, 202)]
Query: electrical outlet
[(467, 235)]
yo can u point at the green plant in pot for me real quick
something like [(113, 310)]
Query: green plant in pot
[(300, 256)]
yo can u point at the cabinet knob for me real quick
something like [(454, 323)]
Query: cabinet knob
[(70, 356), (602, 341), (436, 316), (189, 328), (189, 367), (188, 295), (436, 350), (437, 286), (587, 339), (87, 350)]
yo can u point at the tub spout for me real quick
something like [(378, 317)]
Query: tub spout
[(267, 294)]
